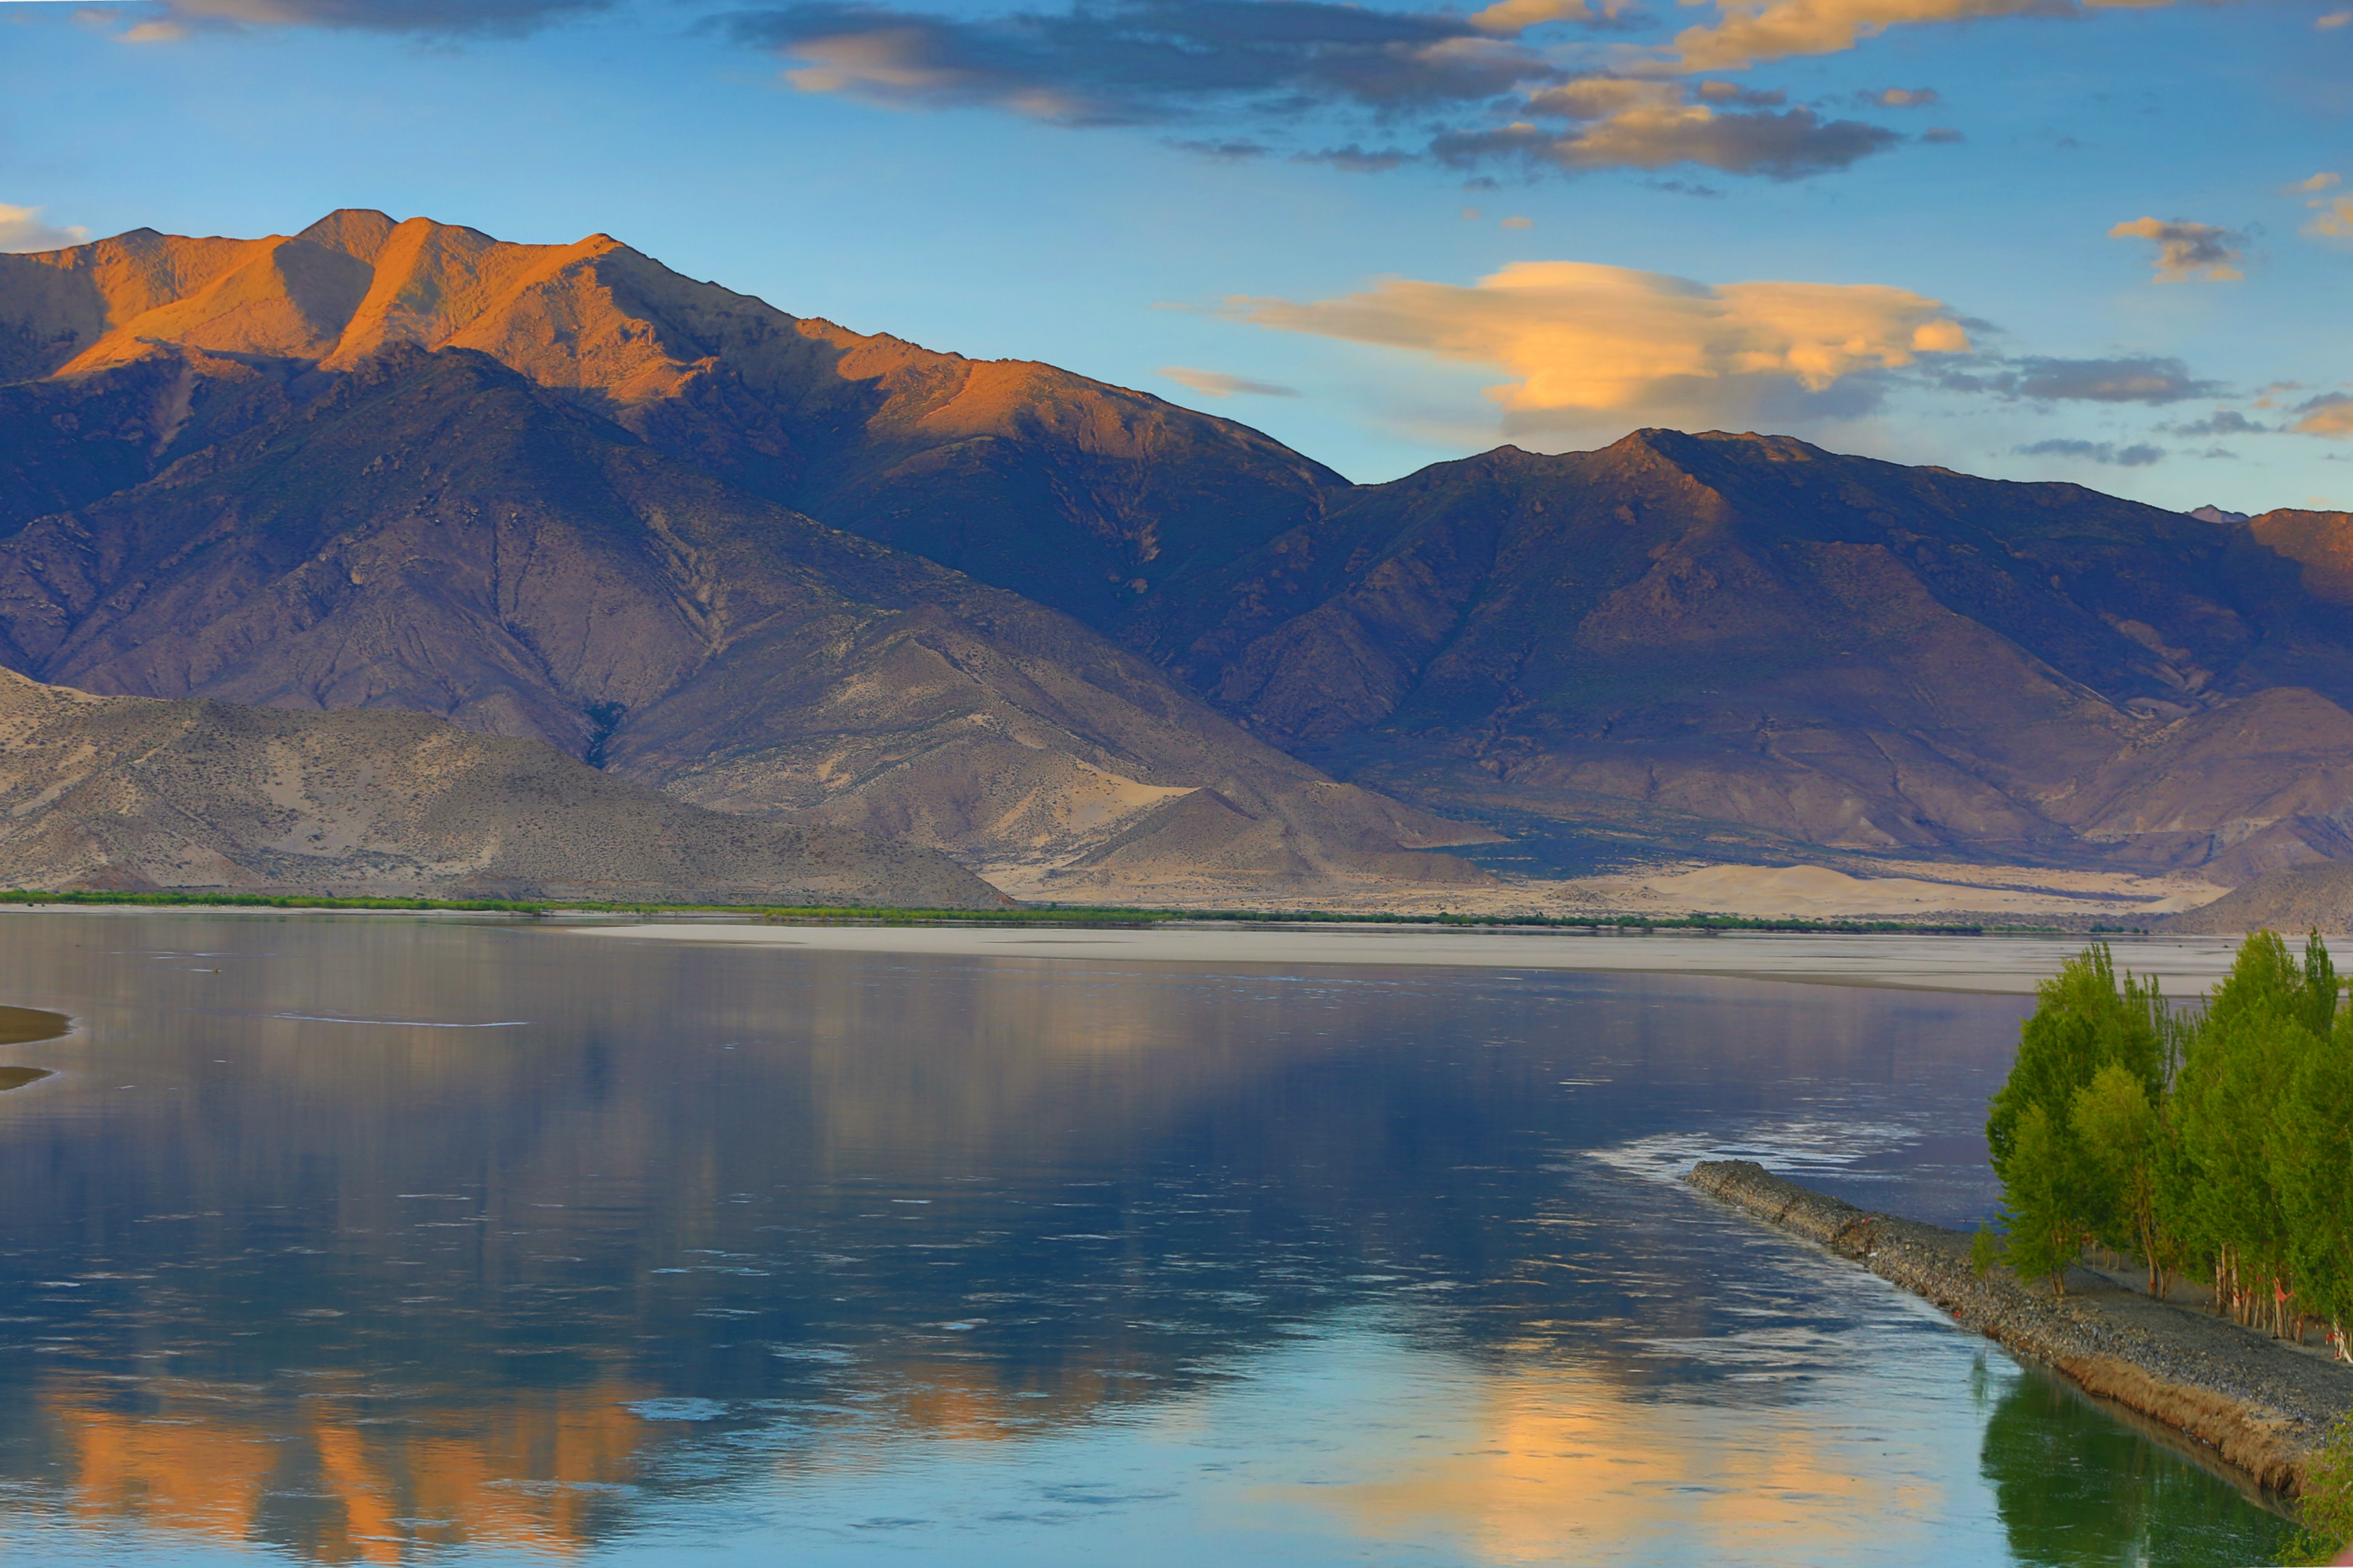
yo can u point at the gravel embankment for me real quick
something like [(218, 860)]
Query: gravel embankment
[(2260, 1404)]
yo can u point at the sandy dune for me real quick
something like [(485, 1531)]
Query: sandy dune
[(1818, 892), (1910, 889)]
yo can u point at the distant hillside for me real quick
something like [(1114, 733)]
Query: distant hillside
[(2292, 902), (1683, 631), (127, 794)]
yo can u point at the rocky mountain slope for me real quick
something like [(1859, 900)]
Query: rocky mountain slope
[(132, 794), (432, 530), (564, 492), (1683, 631), (2291, 901), (1081, 496)]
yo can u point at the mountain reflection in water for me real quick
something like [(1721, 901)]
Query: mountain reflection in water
[(825, 1256)]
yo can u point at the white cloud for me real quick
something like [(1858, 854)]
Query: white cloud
[(21, 229), (2333, 20), (2188, 252), (1218, 383), (1583, 342)]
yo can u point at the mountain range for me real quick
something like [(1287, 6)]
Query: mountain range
[(1090, 643)]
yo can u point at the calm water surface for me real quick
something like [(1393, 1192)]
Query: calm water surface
[(353, 1241)]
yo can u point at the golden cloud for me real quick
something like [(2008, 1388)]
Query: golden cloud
[(1516, 16), (2331, 417), (1754, 30), (2332, 217), (1582, 339), (2188, 252)]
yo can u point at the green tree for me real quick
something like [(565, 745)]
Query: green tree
[(2042, 1198), (2223, 1198), (2310, 1142), (2123, 1140), (2056, 1191)]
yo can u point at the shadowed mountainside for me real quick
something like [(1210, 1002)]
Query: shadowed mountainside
[(430, 530), (1081, 496), (130, 793), (1744, 629)]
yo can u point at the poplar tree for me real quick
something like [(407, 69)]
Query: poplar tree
[(2310, 1142), (2217, 1142), (2265, 1019), (2126, 1149), (2060, 1188)]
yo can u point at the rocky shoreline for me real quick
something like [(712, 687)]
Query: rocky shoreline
[(2261, 1405)]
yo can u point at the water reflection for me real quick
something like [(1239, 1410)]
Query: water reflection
[(541, 1470), (369, 1240), (2076, 1489)]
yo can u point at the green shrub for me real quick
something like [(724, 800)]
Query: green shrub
[(1985, 1251), (2323, 1514)]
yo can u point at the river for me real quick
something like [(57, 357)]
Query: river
[(365, 1239)]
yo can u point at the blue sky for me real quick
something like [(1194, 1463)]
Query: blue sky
[(2100, 246)]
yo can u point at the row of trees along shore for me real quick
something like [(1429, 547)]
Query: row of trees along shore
[(2213, 1143)]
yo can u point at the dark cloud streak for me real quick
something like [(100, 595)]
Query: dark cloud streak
[(1789, 145), (1306, 66), (2136, 457), (1142, 61), (436, 18), (2146, 378)]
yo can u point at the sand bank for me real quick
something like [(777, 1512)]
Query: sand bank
[(24, 1027), (1870, 887), (2256, 1403), (2002, 965)]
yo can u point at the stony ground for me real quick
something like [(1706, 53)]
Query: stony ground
[(2261, 1404)]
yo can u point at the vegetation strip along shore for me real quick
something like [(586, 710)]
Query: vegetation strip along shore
[(1050, 914), (2264, 1408)]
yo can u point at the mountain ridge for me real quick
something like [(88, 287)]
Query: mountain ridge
[(1708, 643), (1840, 651), (433, 532), (866, 430)]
